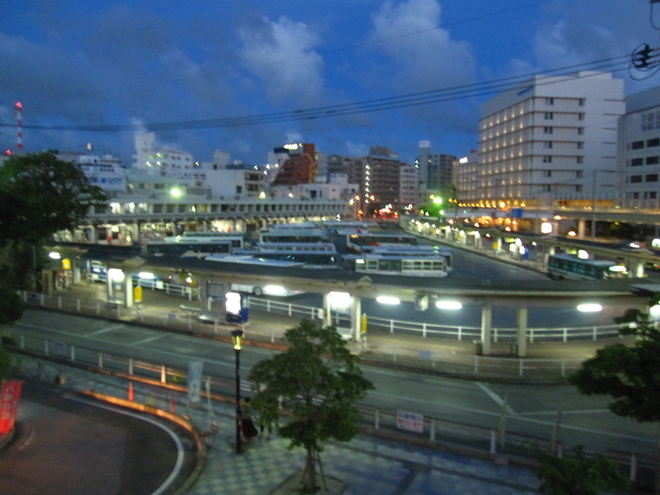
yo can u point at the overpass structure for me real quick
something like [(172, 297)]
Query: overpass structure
[(344, 290), (530, 246)]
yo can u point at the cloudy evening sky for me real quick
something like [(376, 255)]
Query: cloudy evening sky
[(247, 76)]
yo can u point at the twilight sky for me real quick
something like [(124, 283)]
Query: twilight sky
[(246, 76)]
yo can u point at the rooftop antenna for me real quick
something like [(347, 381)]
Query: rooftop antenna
[(19, 123)]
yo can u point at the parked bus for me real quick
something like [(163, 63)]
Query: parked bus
[(194, 246), (311, 254), (288, 235), (406, 265), (421, 250), (364, 242), (567, 267)]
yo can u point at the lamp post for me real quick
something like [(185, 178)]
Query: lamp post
[(236, 336)]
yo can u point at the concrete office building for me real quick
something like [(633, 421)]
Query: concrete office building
[(639, 150), (548, 139), (435, 170)]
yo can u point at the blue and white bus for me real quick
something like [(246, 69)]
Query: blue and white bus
[(567, 267), (195, 246), (405, 264), (365, 242)]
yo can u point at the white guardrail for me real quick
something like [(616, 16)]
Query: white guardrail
[(434, 431), (187, 318)]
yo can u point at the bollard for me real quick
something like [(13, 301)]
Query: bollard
[(131, 394), (172, 404)]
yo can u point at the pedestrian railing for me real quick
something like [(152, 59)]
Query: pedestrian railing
[(494, 442), (182, 319), (430, 330)]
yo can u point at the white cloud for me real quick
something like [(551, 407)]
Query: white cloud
[(426, 56), (281, 53)]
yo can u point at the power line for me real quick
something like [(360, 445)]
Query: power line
[(451, 93)]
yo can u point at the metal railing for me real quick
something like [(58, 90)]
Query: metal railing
[(423, 355), (431, 431)]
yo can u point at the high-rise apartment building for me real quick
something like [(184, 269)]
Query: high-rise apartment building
[(548, 138)]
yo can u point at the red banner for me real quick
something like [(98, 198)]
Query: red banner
[(9, 395)]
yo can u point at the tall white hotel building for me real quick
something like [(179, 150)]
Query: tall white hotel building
[(549, 138)]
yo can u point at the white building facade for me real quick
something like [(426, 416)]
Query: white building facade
[(549, 138), (639, 150)]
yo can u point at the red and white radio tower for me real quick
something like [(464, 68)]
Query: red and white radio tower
[(19, 132)]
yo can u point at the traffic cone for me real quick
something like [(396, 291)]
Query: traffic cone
[(131, 395)]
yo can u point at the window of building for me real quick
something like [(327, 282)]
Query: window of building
[(651, 178), (548, 116), (651, 120), (637, 145), (579, 159), (549, 101), (547, 130), (636, 162), (580, 145), (652, 160), (580, 131), (547, 144), (580, 116), (634, 179), (579, 174), (578, 188), (582, 101), (547, 159), (650, 195), (547, 173), (652, 143)]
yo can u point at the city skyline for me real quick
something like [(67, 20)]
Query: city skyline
[(239, 79)]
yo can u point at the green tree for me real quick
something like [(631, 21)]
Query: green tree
[(40, 195), (628, 373), (576, 474), (318, 379)]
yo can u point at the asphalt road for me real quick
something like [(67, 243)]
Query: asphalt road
[(71, 446), (530, 410)]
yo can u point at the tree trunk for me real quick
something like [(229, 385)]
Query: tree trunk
[(309, 474)]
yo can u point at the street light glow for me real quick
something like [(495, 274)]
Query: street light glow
[(589, 308), (452, 305), (388, 300)]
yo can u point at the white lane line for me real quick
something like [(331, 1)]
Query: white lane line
[(104, 330), (177, 441), (498, 400), (148, 339)]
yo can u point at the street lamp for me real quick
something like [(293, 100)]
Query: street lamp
[(236, 336)]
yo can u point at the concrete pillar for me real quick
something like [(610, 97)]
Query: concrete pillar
[(327, 314), (582, 229), (356, 317), (109, 289), (128, 289), (635, 269), (521, 334), (486, 328), (497, 242)]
